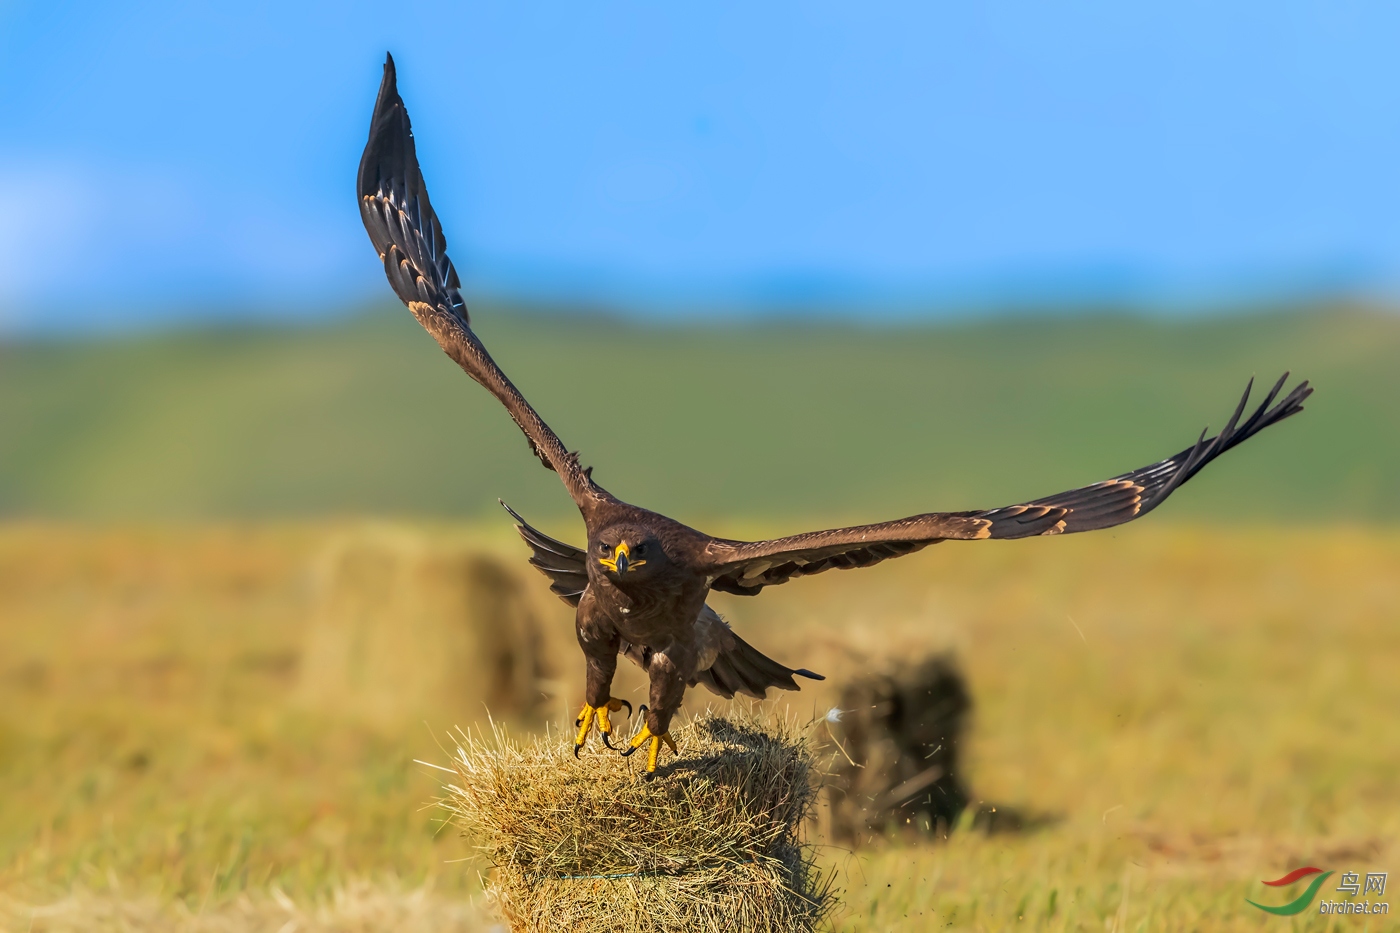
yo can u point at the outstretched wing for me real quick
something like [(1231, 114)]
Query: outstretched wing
[(747, 567), (563, 563), (400, 220)]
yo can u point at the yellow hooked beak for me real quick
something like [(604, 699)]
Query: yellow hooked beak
[(621, 559)]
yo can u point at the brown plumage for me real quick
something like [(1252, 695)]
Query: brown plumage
[(640, 584)]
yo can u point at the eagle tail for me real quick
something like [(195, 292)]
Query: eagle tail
[(744, 669)]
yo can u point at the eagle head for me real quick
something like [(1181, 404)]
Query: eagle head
[(628, 551)]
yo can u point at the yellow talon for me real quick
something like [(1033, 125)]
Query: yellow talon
[(654, 749), (586, 718), (639, 738), (604, 723), (585, 722)]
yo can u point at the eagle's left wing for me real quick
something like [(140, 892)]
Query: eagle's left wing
[(747, 567), (406, 233)]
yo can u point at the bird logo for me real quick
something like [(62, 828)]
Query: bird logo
[(1302, 901)]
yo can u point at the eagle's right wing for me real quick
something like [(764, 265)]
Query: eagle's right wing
[(746, 567), (400, 221)]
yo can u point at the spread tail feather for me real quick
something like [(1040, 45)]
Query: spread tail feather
[(744, 669)]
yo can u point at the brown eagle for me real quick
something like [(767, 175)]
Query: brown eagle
[(640, 584)]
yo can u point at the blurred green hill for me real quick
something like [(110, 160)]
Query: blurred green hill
[(724, 426)]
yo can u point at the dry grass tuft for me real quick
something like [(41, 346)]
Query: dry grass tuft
[(713, 843)]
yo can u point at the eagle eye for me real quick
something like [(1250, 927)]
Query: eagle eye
[(639, 550)]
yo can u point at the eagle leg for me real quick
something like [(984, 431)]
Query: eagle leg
[(645, 735), (599, 714)]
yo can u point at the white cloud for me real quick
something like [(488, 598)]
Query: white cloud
[(49, 210)]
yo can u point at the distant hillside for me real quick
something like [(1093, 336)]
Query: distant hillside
[(735, 423)]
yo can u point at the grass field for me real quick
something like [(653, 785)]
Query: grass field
[(1190, 707), (781, 422)]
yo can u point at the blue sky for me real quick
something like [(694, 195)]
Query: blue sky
[(166, 159)]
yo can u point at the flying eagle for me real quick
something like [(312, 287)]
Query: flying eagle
[(640, 585)]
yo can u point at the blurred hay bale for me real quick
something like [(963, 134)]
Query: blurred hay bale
[(898, 735), (404, 626), (581, 844)]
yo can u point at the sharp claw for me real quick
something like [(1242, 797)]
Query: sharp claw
[(584, 723), (637, 742), (648, 776)]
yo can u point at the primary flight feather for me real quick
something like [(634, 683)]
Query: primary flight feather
[(640, 584)]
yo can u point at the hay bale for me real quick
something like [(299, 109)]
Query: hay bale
[(897, 765), (404, 626), (713, 843)]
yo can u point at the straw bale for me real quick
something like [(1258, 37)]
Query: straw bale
[(900, 734), (713, 843), (404, 626)]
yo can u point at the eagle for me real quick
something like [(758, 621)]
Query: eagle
[(639, 585)]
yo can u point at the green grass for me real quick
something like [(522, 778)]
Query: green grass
[(767, 422)]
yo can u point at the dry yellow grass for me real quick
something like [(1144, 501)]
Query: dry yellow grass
[(1196, 708), (361, 907)]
